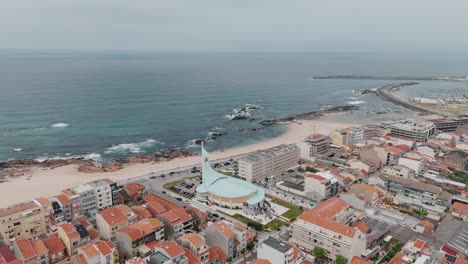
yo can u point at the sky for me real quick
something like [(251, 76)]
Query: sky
[(236, 25)]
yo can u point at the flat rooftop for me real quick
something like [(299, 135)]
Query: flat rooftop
[(270, 153), (277, 244)]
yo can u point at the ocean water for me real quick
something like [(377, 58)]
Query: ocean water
[(107, 105)]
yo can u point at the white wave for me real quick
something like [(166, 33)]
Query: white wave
[(90, 156), (59, 125), (134, 148), (356, 102), (353, 98), (18, 149)]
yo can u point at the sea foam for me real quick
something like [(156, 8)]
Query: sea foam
[(18, 149), (134, 148), (59, 125), (356, 102)]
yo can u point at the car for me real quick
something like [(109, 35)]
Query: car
[(186, 202), (164, 192), (153, 177), (162, 175), (171, 173), (179, 199), (215, 215)]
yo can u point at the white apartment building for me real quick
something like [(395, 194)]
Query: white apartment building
[(103, 192), (415, 164), (314, 145), (410, 128), (322, 183), (269, 162), (87, 199), (398, 171), (327, 226), (276, 251)]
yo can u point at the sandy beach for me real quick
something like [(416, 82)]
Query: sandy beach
[(50, 182)]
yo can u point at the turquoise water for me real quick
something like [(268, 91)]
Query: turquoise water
[(110, 105)]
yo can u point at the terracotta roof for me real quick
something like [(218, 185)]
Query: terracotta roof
[(142, 211), (89, 250), (199, 213), (315, 176), (109, 181), (155, 208), (133, 188), (460, 260), (26, 249), (70, 230), (191, 258), (394, 150), (2, 260), (194, 239), (155, 198), (152, 244), (358, 260), (104, 248), (404, 147), (113, 216), (250, 235), (220, 252), (261, 261), (398, 259), (171, 248), (176, 216), (137, 230), (213, 255), (419, 244), (93, 233), (449, 250), (7, 254), (54, 244), (18, 208), (63, 199), (43, 201), (428, 225), (224, 229), (79, 259), (69, 192), (362, 226), (16, 261), (39, 247), (460, 206), (154, 222)]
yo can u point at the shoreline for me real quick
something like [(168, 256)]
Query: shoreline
[(46, 182)]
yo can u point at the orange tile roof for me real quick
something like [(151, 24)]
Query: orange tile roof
[(250, 235), (39, 247), (176, 216), (394, 150), (152, 244), (155, 198), (154, 222), (109, 181), (26, 249), (404, 147), (203, 216), (261, 261), (224, 229), (93, 233), (63, 199), (156, 208), (133, 188), (89, 250), (398, 259), (16, 261), (69, 192), (54, 244), (2, 260), (419, 244), (315, 176), (213, 255), (460, 206), (79, 259), (460, 260), (104, 248), (138, 230), (43, 201), (113, 216), (70, 230), (171, 248), (362, 226), (220, 252), (191, 258), (358, 260), (17, 208), (194, 239), (142, 211)]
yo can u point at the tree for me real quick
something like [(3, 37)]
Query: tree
[(341, 260), (243, 251), (319, 253), (250, 245), (311, 169), (300, 169)]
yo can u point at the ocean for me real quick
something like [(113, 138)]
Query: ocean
[(108, 105)]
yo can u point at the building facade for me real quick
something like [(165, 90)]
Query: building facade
[(410, 128)]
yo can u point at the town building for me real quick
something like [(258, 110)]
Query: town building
[(410, 128), (131, 238), (314, 146), (64, 205), (176, 222), (327, 226), (70, 238), (168, 252), (220, 234), (398, 171), (25, 220), (269, 162), (323, 184), (352, 135), (75, 204), (197, 246), (88, 200), (276, 251), (417, 194), (104, 193), (31, 251), (460, 211), (110, 220), (56, 249), (414, 163)]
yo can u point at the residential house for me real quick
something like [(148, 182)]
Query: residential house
[(277, 251), (220, 234), (69, 237), (168, 252), (56, 249), (31, 251), (197, 246), (110, 220), (75, 204), (130, 238), (460, 210), (176, 222)]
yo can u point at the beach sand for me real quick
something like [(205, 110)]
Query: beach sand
[(50, 182)]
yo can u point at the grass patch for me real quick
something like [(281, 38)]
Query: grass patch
[(294, 210), (275, 224), (459, 176), (172, 184), (228, 173)]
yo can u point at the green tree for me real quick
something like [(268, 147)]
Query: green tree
[(311, 169), (341, 260), (300, 169), (250, 245), (319, 252)]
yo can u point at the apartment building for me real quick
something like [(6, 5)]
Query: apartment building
[(66, 206), (269, 162), (220, 234), (417, 194), (48, 210), (352, 135), (56, 249), (197, 246), (31, 251), (110, 220), (276, 251), (460, 211), (416, 164), (75, 204), (327, 226), (104, 193), (70, 238), (314, 146), (176, 222), (398, 171), (131, 238), (26, 220), (322, 184), (410, 128), (101, 252)]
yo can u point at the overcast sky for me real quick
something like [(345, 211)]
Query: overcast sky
[(236, 25)]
